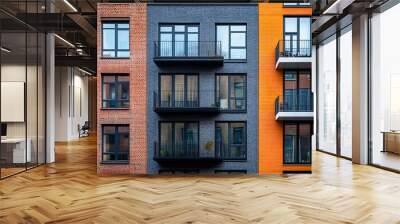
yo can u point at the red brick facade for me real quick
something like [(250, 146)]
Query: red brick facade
[(136, 67)]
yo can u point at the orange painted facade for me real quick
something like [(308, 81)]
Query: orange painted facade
[(270, 148)]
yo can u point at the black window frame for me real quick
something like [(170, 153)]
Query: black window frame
[(117, 152), (173, 32), (173, 75), (116, 29), (297, 162), (230, 140), (230, 46), (297, 33), (115, 75), (173, 123), (229, 109), (297, 73)]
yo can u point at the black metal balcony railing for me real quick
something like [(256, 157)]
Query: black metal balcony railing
[(230, 152), (189, 150), (175, 101), (303, 103), (187, 49), (290, 48)]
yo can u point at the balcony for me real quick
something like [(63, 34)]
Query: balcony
[(168, 102), (182, 155), (293, 54), (291, 109), (193, 53)]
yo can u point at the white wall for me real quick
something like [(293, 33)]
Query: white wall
[(71, 102)]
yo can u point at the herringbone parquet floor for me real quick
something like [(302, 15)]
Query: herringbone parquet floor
[(69, 191)]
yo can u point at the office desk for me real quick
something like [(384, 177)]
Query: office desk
[(15, 148), (391, 141)]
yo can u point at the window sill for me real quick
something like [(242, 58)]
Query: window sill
[(114, 162), (117, 108), (297, 164)]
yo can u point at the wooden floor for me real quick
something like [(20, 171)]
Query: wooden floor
[(69, 191)]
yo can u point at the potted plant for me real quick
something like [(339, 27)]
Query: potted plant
[(209, 147)]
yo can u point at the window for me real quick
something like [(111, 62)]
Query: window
[(179, 139), (233, 41), (115, 91), (179, 40), (230, 140), (231, 92), (115, 143), (297, 94), (297, 143), (179, 90), (297, 36), (116, 39), (294, 4)]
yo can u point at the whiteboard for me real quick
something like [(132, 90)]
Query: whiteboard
[(12, 101)]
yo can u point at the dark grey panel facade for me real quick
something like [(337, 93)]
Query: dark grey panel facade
[(207, 16)]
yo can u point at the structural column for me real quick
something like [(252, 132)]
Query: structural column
[(360, 89)]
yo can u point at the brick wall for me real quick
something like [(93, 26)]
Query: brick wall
[(136, 67)]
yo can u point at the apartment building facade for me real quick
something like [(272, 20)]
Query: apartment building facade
[(204, 88)]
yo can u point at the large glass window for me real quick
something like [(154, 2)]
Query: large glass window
[(230, 140), (327, 95), (115, 91), (346, 95), (115, 39), (179, 40), (231, 91), (297, 36), (179, 90), (297, 143), (385, 89), (115, 143), (233, 41), (179, 139), (297, 94)]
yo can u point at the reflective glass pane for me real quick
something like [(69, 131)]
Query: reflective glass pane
[(223, 38), (108, 39), (123, 39), (238, 39), (166, 139), (166, 28), (179, 45), (290, 24), (238, 28), (238, 53)]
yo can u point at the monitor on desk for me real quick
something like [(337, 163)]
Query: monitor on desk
[(3, 130)]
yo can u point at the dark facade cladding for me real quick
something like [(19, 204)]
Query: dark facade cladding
[(202, 63)]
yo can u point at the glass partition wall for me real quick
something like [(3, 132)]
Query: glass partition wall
[(22, 77)]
